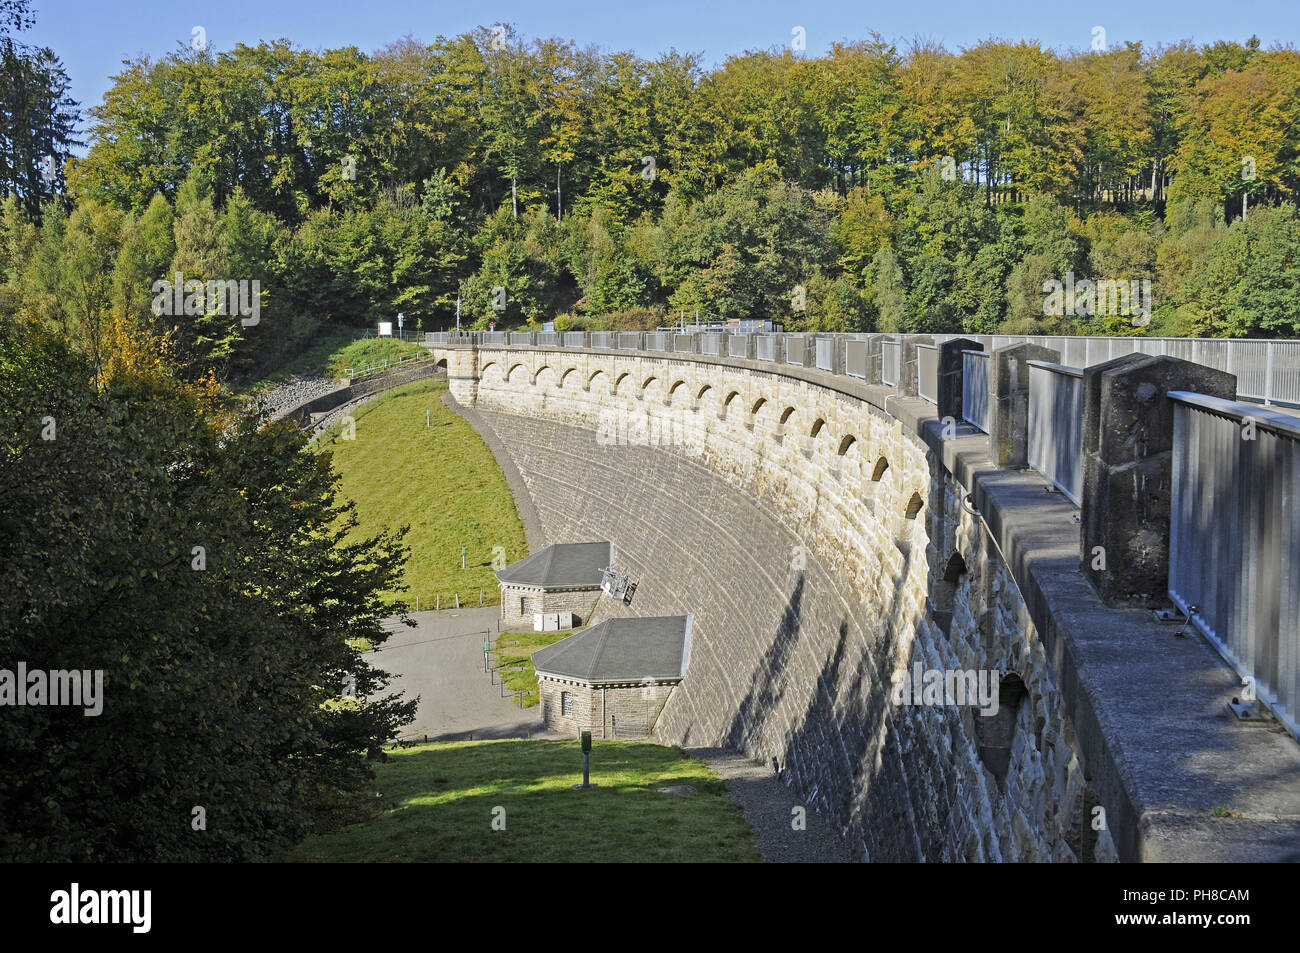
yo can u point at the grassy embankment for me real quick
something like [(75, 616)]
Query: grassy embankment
[(440, 479), (331, 355), (439, 802), (512, 656)]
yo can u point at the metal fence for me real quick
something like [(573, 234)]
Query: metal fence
[(738, 345), (765, 347), (575, 338), (927, 372), (1056, 425), (976, 368), (1234, 549), (548, 339), (891, 362), (855, 359), (1266, 371), (826, 353)]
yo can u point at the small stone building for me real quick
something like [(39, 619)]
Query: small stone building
[(614, 678), (563, 577)]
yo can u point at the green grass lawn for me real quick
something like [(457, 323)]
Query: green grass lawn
[(442, 480), (439, 800), (512, 656), (360, 354)]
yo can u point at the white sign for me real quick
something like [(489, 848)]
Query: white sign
[(385, 329)]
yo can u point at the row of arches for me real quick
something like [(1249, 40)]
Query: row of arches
[(515, 372)]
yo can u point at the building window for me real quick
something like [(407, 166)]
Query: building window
[(525, 605), (566, 703)]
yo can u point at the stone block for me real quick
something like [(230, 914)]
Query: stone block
[(1128, 437)]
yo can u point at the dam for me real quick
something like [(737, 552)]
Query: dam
[(831, 533)]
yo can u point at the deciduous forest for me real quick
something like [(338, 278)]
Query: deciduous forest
[(903, 188)]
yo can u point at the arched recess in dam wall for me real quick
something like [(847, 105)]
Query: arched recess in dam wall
[(822, 553)]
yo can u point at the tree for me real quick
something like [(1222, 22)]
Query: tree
[(40, 119), (204, 567)]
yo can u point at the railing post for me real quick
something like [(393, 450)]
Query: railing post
[(951, 367), (909, 370), (1128, 439), (874, 357), (1009, 401)]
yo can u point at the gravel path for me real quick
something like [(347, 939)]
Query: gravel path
[(441, 660), (768, 804)]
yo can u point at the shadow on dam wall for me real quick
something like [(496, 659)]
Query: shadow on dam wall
[(793, 662)]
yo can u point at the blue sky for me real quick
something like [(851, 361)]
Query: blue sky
[(94, 36)]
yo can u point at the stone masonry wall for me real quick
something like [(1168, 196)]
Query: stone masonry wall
[(822, 553), (625, 712), (580, 603)]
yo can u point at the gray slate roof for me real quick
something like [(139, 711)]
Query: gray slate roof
[(621, 650), (561, 566)]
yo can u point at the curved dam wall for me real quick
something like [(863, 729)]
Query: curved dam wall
[(824, 555)]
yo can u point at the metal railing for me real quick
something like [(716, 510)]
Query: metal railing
[(927, 372), (575, 338), (406, 334), (1056, 425), (891, 362), (1266, 371), (976, 369), (826, 353), (711, 344), (1234, 547), (738, 345), (379, 366), (855, 359), (548, 339), (629, 340), (684, 343), (765, 347)]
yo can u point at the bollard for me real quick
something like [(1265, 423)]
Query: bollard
[(438, 605), (458, 600)]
